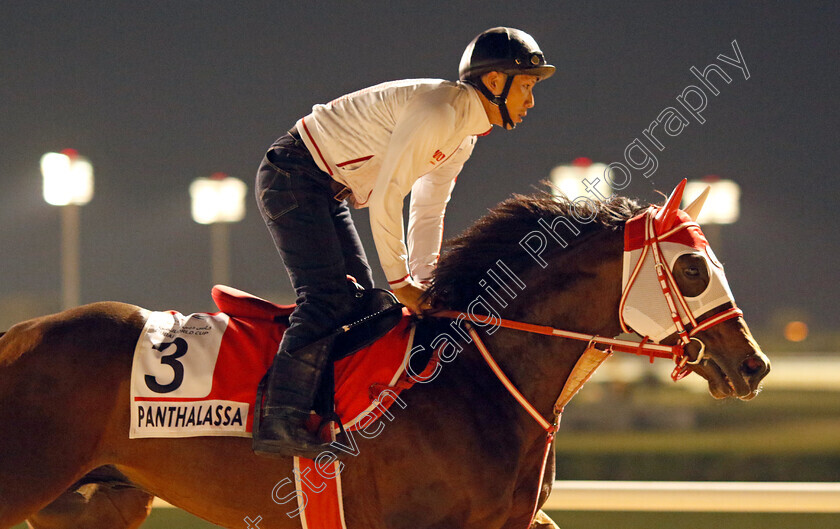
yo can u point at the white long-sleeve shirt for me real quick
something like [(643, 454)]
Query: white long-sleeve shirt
[(391, 139)]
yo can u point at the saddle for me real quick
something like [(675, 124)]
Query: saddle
[(374, 314), (377, 311)]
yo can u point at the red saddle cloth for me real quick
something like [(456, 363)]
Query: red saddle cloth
[(214, 389), (229, 352), (359, 381), (359, 378)]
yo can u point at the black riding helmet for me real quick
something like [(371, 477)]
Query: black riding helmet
[(506, 50)]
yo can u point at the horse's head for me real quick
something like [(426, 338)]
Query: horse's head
[(675, 291)]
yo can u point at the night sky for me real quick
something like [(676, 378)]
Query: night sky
[(157, 94)]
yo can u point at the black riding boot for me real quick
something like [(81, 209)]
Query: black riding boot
[(290, 392)]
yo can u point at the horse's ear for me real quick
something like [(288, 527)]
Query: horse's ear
[(668, 214), (693, 209)]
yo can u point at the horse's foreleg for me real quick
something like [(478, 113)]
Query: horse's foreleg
[(95, 506), (103, 499)]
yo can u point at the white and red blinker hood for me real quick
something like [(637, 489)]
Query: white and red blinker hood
[(644, 308)]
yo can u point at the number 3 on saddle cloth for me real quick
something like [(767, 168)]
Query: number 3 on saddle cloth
[(197, 375)]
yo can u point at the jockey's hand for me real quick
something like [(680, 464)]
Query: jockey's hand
[(409, 295)]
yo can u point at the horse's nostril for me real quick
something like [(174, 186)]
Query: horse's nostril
[(753, 365)]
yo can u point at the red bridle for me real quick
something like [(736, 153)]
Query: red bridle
[(672, 294), (670, 291), (673, 297)]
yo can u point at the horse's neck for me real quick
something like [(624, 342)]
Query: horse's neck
[(466, 405), (578, 291), (466, 382)]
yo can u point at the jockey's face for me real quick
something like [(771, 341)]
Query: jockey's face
[(519, 99), (521, 96)]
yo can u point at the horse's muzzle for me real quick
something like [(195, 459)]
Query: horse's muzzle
[(754, 368)]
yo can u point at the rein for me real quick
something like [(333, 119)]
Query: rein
[(643, 348), (673, 297)]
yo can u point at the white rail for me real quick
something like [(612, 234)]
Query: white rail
[(806, 371), (688, 496), (695, 496)]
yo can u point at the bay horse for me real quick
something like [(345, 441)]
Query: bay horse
[(463, 452)]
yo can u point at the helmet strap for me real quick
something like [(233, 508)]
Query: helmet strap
[(498, 100)]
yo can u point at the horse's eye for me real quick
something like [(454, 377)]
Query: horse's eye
[(692, 274)]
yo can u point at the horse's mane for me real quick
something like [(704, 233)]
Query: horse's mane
[(496, 236)]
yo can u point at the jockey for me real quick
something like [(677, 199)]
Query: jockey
[(370, 149)]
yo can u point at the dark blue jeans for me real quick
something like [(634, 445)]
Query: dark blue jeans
[(315, 236)]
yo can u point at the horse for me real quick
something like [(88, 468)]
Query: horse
[(528, 291)]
